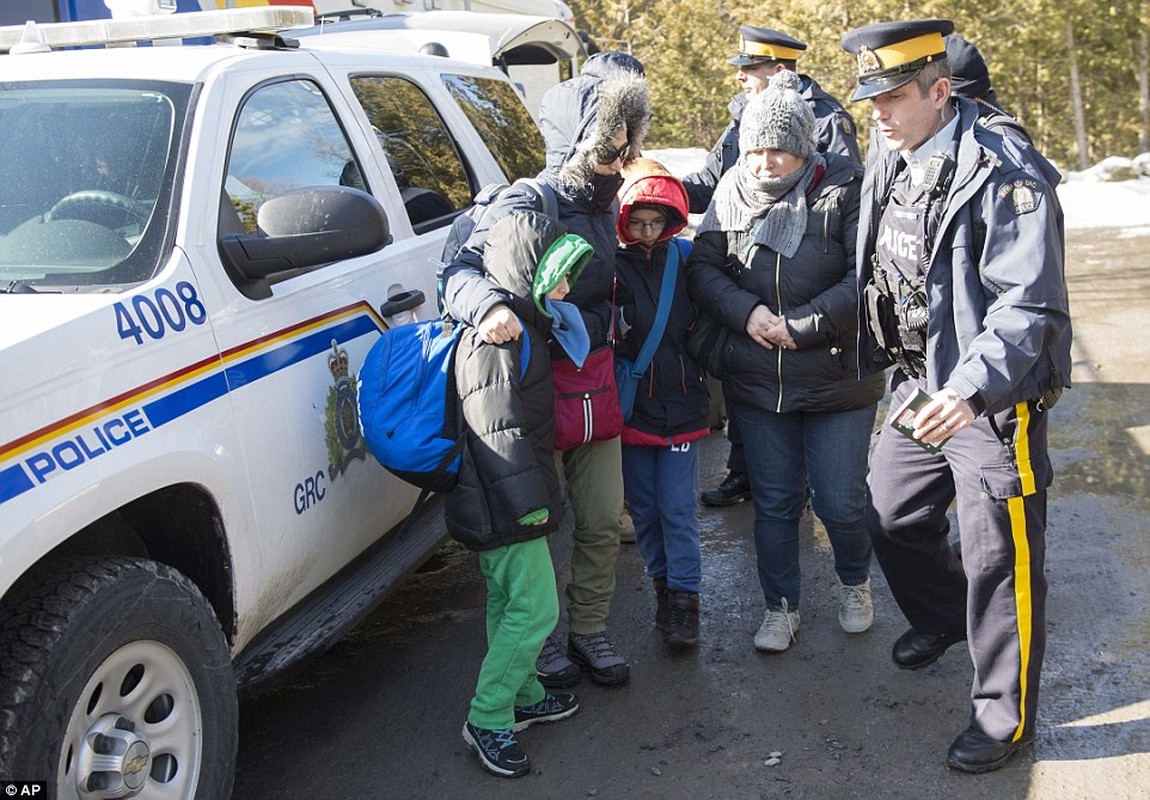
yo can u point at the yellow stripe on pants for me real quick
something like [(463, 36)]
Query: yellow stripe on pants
[(1022, 592)]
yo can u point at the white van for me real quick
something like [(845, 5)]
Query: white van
[(536, 52), (198, 245)]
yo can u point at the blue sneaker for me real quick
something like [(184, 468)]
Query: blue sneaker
[(498, 751), (553, 707)]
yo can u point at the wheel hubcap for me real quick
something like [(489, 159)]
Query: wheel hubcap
[(114, 758), (137, 723)]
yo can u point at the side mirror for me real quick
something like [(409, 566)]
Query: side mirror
[(304, 228)]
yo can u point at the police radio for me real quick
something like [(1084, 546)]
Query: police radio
[(936, 177)]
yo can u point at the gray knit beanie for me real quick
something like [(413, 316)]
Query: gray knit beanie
[(778, 118)]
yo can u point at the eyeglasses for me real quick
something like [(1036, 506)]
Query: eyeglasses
[(654, 225), (610, 156)]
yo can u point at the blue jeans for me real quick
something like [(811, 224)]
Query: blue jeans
[(787, 454), (662, 487)]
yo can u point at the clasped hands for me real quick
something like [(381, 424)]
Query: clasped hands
[(769, 329)]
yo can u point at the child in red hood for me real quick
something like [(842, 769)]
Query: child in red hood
[(672, 405)]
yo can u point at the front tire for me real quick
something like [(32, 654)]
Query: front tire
[(116, 681)]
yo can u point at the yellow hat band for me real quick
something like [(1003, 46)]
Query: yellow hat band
[(895, 55), (763, 50)]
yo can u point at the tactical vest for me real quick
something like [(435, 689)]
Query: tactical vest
[(896, 294)]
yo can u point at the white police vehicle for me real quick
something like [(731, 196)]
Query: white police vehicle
[(198, 245)]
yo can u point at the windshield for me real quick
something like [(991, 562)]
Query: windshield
[(86, 181)]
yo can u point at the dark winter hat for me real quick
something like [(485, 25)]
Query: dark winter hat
[(969, 76), (606, 61), (778, 118), (891, 54), (759, 45)]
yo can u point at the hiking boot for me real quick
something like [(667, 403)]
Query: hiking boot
[(553, 668), (662, 612), (683, 619), (735, 488), (553, 707), (856, 608), (498, 750), (779, 629), (595, 652)]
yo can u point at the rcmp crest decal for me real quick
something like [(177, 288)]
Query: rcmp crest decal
[(341, 428), (1024, 193)]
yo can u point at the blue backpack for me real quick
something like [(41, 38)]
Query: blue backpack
[(409, 404)]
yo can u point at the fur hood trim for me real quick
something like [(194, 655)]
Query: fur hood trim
[(579, 118)]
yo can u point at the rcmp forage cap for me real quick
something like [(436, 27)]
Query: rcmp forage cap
[(969, 76), (891, 54), (759, 45)]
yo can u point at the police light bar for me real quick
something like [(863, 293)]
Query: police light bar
[(145, 29)]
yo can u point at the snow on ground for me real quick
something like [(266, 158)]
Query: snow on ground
[(1086, 201)]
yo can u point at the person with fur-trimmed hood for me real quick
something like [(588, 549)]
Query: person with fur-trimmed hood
[(591, 124), (672, 406), (508, 498)]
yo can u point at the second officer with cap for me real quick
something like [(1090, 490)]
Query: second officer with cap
[(962, 289), (762, 53)]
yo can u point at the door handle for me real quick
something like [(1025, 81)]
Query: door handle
[(404, 301)]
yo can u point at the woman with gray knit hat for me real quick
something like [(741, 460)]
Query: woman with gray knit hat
[(774, 262)]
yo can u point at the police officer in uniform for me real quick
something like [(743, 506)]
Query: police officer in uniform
[(763, 52), (962, 290)]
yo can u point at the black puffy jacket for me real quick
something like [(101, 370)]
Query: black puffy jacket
[(508, 467), (814, 291)]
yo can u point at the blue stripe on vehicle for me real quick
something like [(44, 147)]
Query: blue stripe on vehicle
[(13, 481), (186, 399), (265, 364)]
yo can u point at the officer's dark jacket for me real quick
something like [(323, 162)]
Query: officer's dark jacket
[(814, 290), (999, 319), (836, 134), (508, 467), (566, 119), (672, 398)]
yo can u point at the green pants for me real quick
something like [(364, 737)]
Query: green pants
[(522, 608), (594, 474)]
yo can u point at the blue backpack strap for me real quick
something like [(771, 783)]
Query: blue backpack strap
[(524, 352), (666, 296)]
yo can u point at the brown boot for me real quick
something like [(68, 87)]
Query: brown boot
[(662, 612), (682, 628)]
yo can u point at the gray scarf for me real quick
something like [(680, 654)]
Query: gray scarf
[(775, 208)]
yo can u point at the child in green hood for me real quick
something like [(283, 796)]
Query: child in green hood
[(508, 497)]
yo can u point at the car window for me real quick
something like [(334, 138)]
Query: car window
[(421, 153), (503, 123), (86, 181), (286, 137)]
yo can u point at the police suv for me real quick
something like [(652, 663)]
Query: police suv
[(198, 245)]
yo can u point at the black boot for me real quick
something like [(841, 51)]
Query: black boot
[(735, 488), (662, 612), (683, 619)]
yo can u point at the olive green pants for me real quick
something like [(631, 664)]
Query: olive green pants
[(594, 476)]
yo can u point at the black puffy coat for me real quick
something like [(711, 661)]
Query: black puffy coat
[(814, 291), (508, 467)]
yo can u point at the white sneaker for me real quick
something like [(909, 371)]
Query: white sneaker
[(856, 609), (778, 630)]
